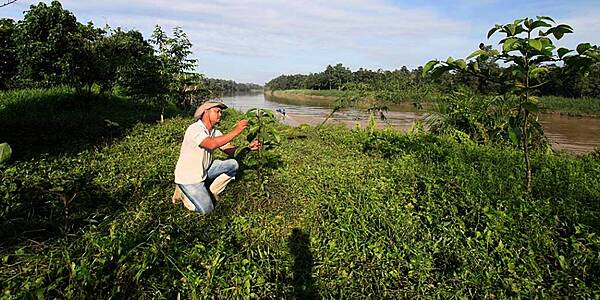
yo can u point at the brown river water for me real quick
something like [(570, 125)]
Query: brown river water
[(569, 133)]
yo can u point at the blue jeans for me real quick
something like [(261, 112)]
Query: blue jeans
[(199, 193)]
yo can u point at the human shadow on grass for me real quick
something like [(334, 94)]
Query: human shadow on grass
[(299, 245), (59, 124)]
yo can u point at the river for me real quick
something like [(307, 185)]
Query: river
[(573, 134)]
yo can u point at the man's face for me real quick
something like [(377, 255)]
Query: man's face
[(214, 115)]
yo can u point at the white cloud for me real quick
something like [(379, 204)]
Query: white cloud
[(299, 36), (376, 32)]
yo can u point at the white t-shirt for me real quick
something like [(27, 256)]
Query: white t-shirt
[(194, 160)]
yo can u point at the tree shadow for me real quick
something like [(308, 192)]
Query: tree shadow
[(299, 245), (59, 123)]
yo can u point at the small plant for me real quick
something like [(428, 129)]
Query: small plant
[(261, 122)]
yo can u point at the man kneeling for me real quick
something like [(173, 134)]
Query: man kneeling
[(197, 177)]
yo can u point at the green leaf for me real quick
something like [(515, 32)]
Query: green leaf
[(510, 29), (535, 44), (546, 42), (5, 152), (512, 134), (545, 18), (536, 72), (429, 65), (265, 136), (531, 107), (476, 53), (255, 128), (581, 48), (251, 113), (450, 60), (539, 23), (517, 21), (437, 72), (562, 52), (493, 30), (251, 136), (519, 29), (493, 53), (558, 35), (460, 63), (238, 151), (268, 113), (566, 28), (560, 30), (508, 44)]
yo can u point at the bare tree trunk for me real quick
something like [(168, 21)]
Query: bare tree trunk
[(526, 153), (525, 133)]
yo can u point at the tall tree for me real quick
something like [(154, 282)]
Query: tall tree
[(8, 57), (173, 56), (46, 45)]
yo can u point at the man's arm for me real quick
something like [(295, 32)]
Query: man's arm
[(212, 143)]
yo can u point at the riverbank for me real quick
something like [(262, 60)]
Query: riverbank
[(322, 95), (576, 134), (580, 107), (558, 128)]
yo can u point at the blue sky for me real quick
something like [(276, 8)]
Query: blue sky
[(255, 41)]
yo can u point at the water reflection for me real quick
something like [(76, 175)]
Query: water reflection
[(574, 134)]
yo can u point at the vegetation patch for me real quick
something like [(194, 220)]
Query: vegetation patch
[(339, 214)]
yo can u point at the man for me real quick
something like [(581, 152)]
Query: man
[(197, 177)]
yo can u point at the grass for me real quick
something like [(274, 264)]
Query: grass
[(589, 106), (344, 214)]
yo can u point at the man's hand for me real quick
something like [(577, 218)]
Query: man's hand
[(241, 125), (254, 145)]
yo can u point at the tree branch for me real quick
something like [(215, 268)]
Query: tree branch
[(8, 3)]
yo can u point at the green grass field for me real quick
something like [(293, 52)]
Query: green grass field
[(343, 214)]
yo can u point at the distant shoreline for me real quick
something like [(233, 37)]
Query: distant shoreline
[(305, 97)]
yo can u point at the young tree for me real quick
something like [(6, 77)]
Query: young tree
[(526, 52), (174, 62)]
